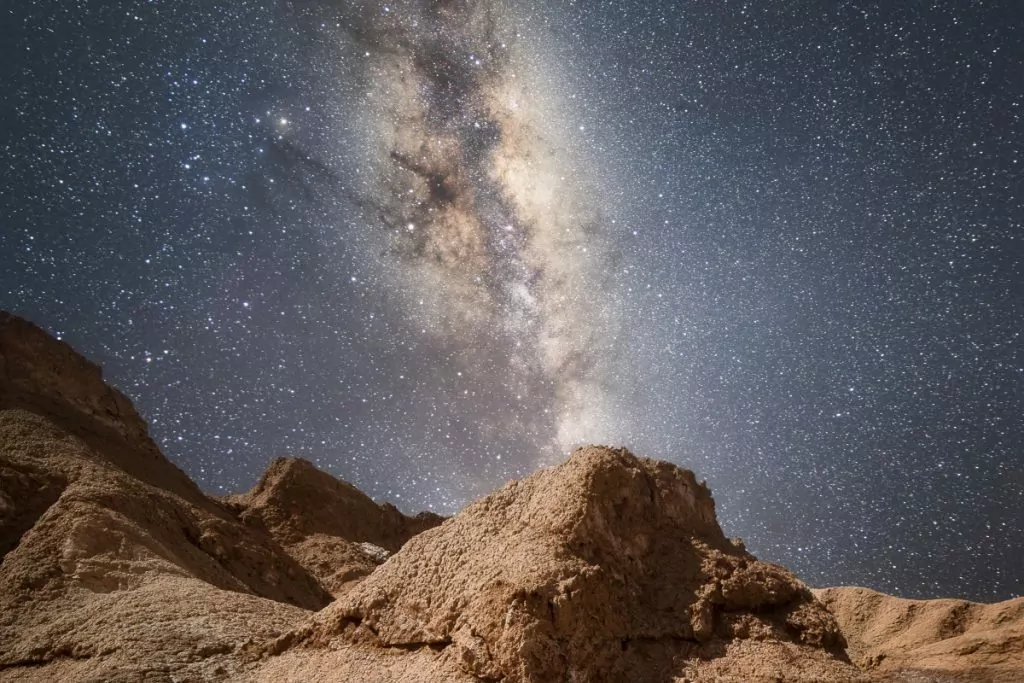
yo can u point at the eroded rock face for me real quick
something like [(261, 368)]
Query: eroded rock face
[(114, 566), (96, 525), (294, 500), (329, 526), (607, 567), (898, 639), (44, 376)]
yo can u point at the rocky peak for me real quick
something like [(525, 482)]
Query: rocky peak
[(589, 571), (294, 500), (45, 376), (38, 370), (609, 504)]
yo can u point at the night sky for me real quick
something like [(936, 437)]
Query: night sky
[(432, 245)]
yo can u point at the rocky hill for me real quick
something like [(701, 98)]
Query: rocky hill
[(114, 566), (329, 526)]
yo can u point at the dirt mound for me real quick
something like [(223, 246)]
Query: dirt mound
[(896, 638), (605, 568)]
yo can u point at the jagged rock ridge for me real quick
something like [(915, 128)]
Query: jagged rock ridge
[(115, 566)]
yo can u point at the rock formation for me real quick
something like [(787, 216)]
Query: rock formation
[(114, 566), (947, 639), (609, 567), (114, 563), (329, 526)]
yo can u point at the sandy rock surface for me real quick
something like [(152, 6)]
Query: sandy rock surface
[(294, 501), (114, 563), (898, 639), (114, 566), (605, 568), (330, 527)]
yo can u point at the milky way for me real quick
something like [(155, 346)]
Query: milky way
[(500, 250), (431, 245)]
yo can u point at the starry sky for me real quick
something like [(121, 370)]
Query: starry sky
[(432, 245)]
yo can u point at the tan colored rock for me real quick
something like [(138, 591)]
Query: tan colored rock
[(45, 376), (609, 567), (330, 527), (948, 640), (113, 562), (166, 628), (114, 566), (294, 501), (336, 563)]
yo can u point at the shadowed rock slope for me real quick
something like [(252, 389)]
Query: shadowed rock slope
[(114, 563), (331, 527)]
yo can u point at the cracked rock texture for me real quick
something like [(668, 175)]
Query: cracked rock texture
[(609, 567), (114, 566)]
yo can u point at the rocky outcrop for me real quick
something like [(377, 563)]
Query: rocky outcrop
[(946, 640), (609, 567), (114, 566), (329, 526), (46, 377), (294, 501), (106, 546)]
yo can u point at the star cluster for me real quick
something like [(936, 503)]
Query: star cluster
[(429, 246)]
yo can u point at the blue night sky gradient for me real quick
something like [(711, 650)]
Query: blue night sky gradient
[(805, 221)]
